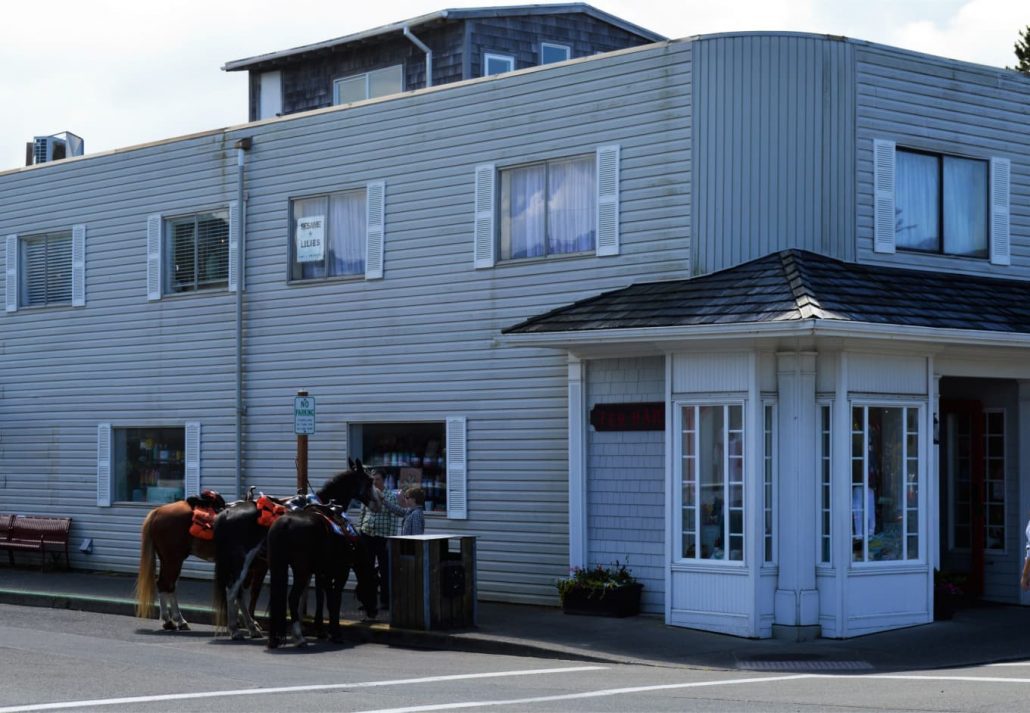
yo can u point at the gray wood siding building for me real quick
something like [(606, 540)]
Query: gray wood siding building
[(730, 147)]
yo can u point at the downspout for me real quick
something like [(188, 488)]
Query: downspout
[(242, 146), (429, 54)]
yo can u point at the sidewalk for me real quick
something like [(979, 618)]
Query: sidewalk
[(977, 635)]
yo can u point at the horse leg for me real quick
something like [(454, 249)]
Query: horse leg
[(320, 585), (240, 588), (334, 594), (296, 592), (177, 617), (166, 616), (171, 567)]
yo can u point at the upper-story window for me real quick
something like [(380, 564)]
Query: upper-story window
[(550, 52), (377, 83), (941, 204), (497, 63), (198, 250), (46, 269), (338, 234), (562, 206), (548, 208), (192, 252)]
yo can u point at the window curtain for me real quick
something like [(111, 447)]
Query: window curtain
[(347, 226), (572, 204), (524, 197), (917, 189), (965, 207)]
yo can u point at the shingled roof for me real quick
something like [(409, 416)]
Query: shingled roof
[(796, 285)]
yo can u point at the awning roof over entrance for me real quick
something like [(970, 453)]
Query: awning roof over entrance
[(793, 287)]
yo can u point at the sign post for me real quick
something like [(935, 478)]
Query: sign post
[(303, 425)]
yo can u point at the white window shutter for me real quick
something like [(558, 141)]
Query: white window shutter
[(78, 266), (104, 465), (375, 208), (1001, 171), (154, 257), (192, 483), (12, 273), (457, 505), (608, 200), (234, 244), (486, 212), (883, 188)]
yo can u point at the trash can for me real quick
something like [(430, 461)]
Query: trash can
[(433, 582)]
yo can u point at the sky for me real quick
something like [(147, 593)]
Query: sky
[(125, 72)]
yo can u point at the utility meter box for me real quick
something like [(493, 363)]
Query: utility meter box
[(433, 582)]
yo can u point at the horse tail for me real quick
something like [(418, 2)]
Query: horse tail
[(146, 579), (278, 566)]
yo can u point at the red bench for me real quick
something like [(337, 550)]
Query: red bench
[(35, 533)]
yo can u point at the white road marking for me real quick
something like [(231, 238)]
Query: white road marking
[(918, 677), (290, 689), (1011, 663), (588, 694)]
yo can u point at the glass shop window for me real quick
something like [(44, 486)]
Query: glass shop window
[(884, 483), (712, 480), (149, 464), (408, 455)]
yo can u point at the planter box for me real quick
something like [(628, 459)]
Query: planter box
[(619, 602)]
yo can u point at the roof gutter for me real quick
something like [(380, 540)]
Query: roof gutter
[(810, 327), (429, 54)]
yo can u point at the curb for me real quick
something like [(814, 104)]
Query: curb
[(364, 632)]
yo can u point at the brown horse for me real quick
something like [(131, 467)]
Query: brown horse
[(165, 537)]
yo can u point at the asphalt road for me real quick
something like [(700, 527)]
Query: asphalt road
[(55, 659)]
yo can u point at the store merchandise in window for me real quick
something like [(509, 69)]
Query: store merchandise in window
[(408, 455), (149, 464)]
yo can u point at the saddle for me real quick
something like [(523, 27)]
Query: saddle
[(335, 519), (206, 507)]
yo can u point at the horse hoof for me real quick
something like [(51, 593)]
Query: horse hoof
[(169, 626), (184, 627), (258, 634), (238, 636)]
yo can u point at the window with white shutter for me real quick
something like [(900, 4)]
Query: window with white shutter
[(11, 265), (104, 465), (457, 470), (375, 206), (78, 266), (608, 200), (883, 186), (1001, 170), (485, 212)]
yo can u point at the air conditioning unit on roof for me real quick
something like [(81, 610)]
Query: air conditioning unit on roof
[(45, 149)]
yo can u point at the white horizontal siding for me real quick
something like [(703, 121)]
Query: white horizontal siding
[(417, 345)]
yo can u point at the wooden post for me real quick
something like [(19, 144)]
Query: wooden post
[(302, 457)]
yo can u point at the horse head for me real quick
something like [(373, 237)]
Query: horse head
[(353, 484)]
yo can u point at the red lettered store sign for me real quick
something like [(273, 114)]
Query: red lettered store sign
[(628, 417)]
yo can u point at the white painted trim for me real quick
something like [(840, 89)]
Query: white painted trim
[(555, 45), (578, 530), (670, 474), (1023, 419), (487, 56)]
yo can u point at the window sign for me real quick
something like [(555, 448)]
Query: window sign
[(311, 238)]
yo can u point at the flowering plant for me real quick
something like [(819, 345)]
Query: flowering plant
[(948, 585), (595, 581)]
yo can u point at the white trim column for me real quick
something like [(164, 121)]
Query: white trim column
[(796, 615), (577, 463)]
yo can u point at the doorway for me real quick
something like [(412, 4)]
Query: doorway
[(977, 489)]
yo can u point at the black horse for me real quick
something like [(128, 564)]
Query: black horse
[(240, 542), (307, 543)]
